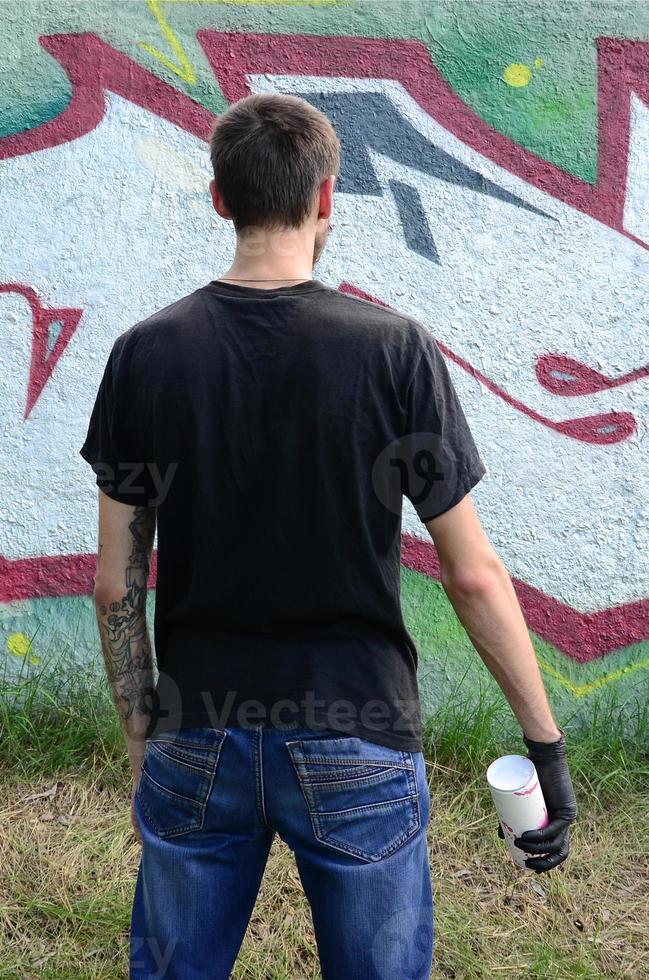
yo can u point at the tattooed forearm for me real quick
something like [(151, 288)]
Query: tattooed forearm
[(123, 628)]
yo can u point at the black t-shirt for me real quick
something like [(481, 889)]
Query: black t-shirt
[(275, 431)]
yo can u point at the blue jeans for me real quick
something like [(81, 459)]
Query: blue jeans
[(354, 813)]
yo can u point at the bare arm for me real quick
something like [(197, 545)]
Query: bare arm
[(126, 536), (481, 592)]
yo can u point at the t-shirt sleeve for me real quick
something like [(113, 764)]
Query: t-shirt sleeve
[(113, 442), (440, 462)]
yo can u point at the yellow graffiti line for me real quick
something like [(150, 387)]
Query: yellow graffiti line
[(581, 690), (185, 71)]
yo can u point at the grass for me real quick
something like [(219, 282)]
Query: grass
[(69, 857)]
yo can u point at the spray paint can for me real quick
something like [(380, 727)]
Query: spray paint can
[(518, 798)]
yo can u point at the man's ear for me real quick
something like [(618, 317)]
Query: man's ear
[(218, 203), (326, 203)]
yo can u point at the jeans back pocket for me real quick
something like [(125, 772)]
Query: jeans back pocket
[(361, 797), (178, 770)]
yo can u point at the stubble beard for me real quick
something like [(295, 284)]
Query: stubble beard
[(319, 243)]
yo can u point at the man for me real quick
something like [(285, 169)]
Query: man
[(268, 425)]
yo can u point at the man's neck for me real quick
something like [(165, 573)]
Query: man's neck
[(263, 281), (272, 258)]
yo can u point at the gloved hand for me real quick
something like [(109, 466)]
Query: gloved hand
[(553, 841)]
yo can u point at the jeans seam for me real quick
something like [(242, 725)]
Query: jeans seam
[(181, 796), (179, 759), (302, 783), (259, 777), (371, 779), (365, 806), (320, 759), (198, 746), (175, 831), (195, 824), (412, 777)]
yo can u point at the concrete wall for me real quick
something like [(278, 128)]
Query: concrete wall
[(494, 184)]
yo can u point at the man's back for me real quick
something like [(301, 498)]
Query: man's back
[(278, 561), (270, 433)]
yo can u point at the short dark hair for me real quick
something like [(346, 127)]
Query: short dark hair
[(270, 152)]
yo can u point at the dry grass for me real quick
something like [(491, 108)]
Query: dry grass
[(69, 857), (69, 861)]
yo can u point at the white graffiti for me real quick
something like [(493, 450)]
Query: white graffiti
[(88, 224), (636, 204), (115, 223), (566, 516)]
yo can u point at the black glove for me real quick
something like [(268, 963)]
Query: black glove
[(553, 841)]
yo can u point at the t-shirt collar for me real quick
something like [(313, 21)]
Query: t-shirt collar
[(243, 289)]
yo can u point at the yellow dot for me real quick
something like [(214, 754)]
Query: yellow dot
[(34, 659), (517, 75), (538, 62), (18, 644)]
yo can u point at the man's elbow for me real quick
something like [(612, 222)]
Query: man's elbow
[(472, 580), (108, 590)]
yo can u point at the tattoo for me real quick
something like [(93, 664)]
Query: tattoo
[(123, 626)]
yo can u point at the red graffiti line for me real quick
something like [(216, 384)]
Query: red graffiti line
[(584, 636), (43, 318), (623, 70), (565, 376), (603, 429), (53, 575), (94, 66)]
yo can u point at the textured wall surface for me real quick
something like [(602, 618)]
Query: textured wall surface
[(494, 185)]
